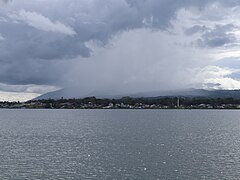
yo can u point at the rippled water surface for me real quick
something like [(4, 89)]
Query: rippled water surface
[(119, 144)]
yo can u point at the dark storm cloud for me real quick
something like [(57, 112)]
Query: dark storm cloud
[(33, 72), (196, 29), (25, 39), (97, 21), (5, 1), (33, 35), (218, 36), (38, 43)]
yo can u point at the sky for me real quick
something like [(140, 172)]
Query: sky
[(117, 46)]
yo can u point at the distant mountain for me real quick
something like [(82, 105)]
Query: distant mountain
[(74, 93), (68, 93)]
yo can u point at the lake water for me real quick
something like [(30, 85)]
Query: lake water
[(119, 144)]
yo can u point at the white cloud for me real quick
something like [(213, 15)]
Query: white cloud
[(139, 60), (23, 92), (20, 96), (30, 88), (217, 77), (224, 83), (41, 22)]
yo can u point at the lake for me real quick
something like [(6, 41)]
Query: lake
[(119, 144)]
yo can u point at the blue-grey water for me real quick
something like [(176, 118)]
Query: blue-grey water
[(119, 144)]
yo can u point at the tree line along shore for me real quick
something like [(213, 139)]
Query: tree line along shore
[(128, 103)]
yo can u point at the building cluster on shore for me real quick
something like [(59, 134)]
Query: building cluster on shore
[(127, 103)]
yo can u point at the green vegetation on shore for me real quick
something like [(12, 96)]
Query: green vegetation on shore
[(129, 103)]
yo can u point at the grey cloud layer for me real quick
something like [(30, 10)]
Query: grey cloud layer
[(94, 20), (218, 36), (5, 1), (37, 43)]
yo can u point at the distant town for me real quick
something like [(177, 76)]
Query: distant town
[(127, 103)]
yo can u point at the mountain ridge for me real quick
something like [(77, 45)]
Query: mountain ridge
[(70, 93)]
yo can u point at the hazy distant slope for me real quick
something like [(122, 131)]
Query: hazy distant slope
[(68, 93), (62, 93), (74, 93)]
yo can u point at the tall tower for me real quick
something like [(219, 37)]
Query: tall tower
[(178, 102)]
